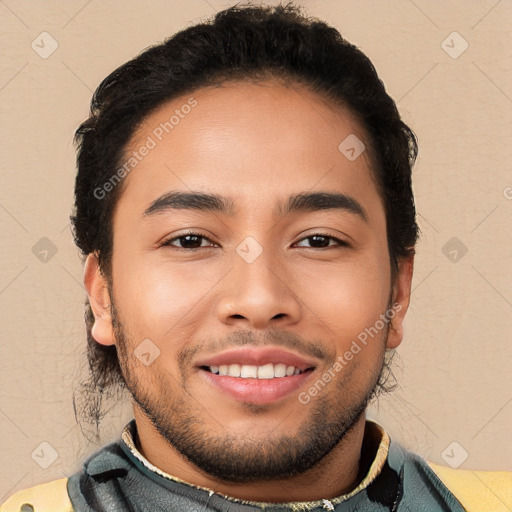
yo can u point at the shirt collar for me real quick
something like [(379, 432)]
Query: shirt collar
[(374, 433)]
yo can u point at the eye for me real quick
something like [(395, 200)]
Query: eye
[(321, 241), (188, 241)]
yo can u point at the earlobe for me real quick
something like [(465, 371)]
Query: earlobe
[(99, 298), (400, 303)]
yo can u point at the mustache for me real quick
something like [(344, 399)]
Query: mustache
[(284, 339)]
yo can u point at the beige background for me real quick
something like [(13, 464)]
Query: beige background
[(456, 359)]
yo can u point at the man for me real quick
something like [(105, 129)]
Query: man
[(244, 207)]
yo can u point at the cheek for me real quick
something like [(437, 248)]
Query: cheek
[(346, 298), (161, 300)]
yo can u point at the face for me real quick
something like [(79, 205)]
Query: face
[(250, 258)]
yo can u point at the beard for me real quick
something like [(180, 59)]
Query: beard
[(186, 425)]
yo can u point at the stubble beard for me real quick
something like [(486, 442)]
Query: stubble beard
[(186, 425)]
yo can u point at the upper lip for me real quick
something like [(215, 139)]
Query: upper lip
[(258, 356)]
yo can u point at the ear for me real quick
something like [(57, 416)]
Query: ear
[(400, 303), (99, 297)]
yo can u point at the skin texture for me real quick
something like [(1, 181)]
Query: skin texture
[(256, 144)]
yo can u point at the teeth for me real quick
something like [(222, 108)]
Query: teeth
[(266, 372), (248, 371), (234, 370), (279, 370)]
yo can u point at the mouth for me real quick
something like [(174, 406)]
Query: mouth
[(247, 371), (257, 375)]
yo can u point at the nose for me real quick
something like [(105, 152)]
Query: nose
[(258, 295)]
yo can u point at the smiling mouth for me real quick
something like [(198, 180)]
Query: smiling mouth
[(264, 372)]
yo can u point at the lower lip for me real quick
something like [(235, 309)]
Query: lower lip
[(257, 391)]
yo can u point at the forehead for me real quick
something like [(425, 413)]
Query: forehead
[(249, 142)]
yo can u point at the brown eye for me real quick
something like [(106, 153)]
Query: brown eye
[(188, 241), (319, 241)]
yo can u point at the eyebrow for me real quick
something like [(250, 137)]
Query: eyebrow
[(303, 202), (316, 201), (199, 201)]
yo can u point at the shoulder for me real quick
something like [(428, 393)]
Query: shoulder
[(49, 497), (477, 490), (65, 494), (456, 489)]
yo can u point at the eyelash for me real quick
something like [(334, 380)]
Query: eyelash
[(168, 243)]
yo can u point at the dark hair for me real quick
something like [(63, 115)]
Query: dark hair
[(243, 42)]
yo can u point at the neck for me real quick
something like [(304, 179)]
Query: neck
[(337, 473)]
